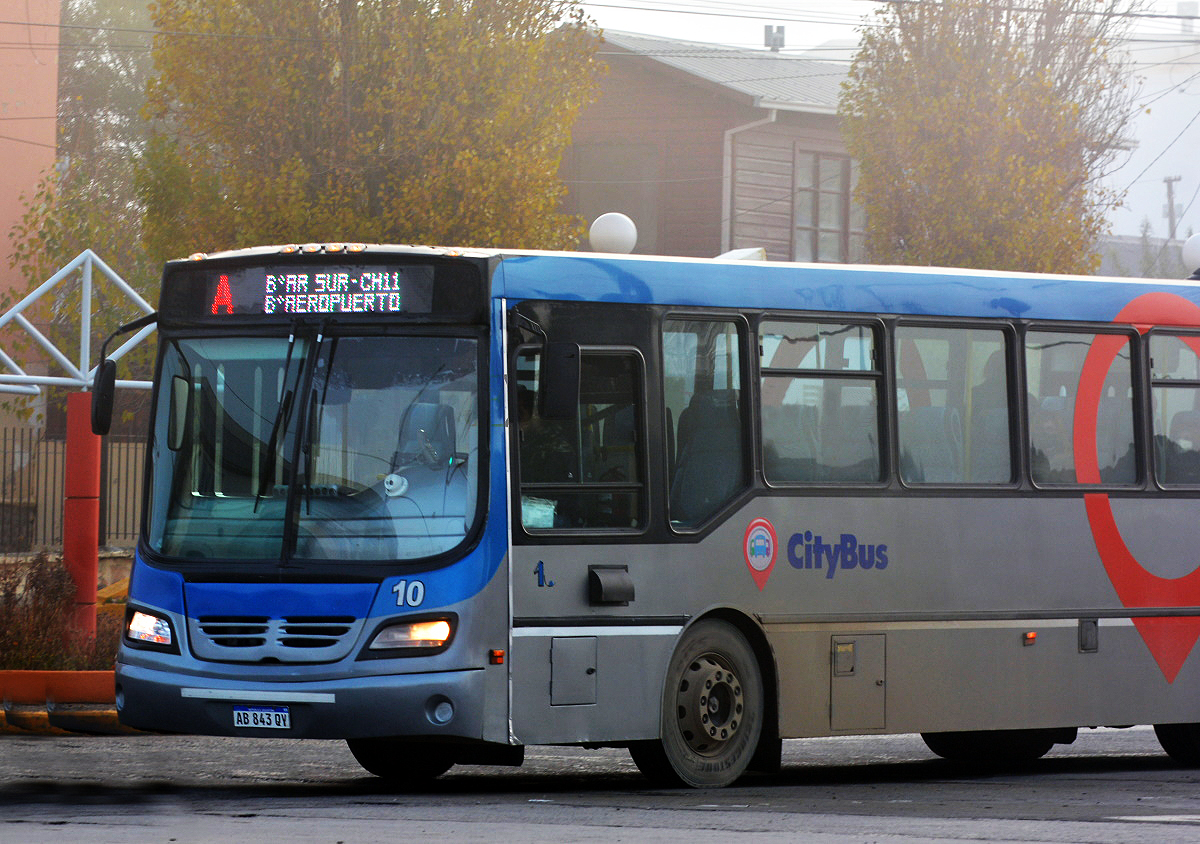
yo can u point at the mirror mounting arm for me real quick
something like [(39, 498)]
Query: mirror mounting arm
[(105, 383)]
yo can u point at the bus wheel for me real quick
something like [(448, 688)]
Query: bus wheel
[(405, 763), (712, 711), (1181, 741), (991, 747)]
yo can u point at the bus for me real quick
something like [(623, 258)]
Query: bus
[(448, 504)]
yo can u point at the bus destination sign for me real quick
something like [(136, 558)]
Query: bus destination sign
[(294, 290)]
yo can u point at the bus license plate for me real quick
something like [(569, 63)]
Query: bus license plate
[(262, 717)]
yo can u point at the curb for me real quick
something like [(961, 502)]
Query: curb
[(59, 703), (61, 719)]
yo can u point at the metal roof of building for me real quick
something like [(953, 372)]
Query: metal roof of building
[(769, 79)]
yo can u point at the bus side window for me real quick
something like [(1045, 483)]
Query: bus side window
[(1175, 370), (820, 402), (1053, 369), (583, 473), (703, 395), (953, 418)]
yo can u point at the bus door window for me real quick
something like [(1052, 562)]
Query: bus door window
[(952, 405), (1175, 370), (583, 473), (820, 402), (705, 406), (1053, 368)]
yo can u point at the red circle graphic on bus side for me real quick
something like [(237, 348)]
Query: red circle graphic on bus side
[(1170, 639), (760, 547)]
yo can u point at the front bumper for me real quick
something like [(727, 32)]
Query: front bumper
[(360, 707)]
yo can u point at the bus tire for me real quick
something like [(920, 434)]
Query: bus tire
[(404, 763), (991, 747), (712, 711), (1181, 742)]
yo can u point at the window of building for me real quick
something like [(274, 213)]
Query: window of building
[(820, 402), (1053, 368), (1175, 373), (828, 226), (952, 405), (584, 473), (706, 434)]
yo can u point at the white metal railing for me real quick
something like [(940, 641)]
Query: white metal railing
[(17, 380)]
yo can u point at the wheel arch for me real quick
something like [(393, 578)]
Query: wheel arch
[(768, 755)]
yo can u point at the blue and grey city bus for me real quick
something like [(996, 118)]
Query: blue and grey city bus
[(448, 504)]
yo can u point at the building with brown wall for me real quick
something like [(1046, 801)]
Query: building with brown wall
[(710, 148), (29, 38)]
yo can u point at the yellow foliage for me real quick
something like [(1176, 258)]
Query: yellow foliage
[(982, 129), (405, 121)]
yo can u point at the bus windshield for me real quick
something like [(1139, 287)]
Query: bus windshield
[(310, 447)]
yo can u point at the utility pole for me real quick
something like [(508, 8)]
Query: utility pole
[(1170, 183)]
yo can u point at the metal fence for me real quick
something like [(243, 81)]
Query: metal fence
[(31, 490)]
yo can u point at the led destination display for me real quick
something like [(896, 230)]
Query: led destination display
[(376, 289), (349, 290), (357, 291)]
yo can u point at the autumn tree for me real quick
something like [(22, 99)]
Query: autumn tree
[(983, 130), (406, 121)]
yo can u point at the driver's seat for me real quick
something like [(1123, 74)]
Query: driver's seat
[(436, 422)]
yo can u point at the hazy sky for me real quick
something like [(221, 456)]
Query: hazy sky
[(807, 23)]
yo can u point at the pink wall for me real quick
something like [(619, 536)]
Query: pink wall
[(29, 38)]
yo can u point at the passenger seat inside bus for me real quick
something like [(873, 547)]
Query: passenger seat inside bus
[(931, 440), (850, 443), (1180, 457), (709, 466), (790, 449)]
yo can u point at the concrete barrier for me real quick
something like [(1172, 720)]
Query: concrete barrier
[(59, 702)]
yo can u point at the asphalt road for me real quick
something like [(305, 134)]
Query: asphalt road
[(1110, 786)]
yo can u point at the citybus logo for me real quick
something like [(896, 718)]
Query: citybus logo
[(810, 551), (760, 547), (1170, 639), (806, 550)]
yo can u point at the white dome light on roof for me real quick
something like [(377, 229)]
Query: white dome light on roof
[(1191, 253), (613, 232)]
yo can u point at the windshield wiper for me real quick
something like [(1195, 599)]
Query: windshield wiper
[(281, 418), (302, 447)]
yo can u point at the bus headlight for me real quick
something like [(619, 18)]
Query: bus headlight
[(149, 630), (409, 637)]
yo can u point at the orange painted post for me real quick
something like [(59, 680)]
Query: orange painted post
[(81, 511)]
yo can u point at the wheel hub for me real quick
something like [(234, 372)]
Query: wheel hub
[(709, 704)]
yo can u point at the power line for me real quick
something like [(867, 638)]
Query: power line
[(741, 11), (27, 141), (1154, 161)]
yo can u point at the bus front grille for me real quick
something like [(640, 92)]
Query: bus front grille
[(261, 639)]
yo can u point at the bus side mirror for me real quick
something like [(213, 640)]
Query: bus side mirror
[(104, 387), (559, 381)]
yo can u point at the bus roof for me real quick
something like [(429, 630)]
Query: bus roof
[(916, 291), (767, 285)]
